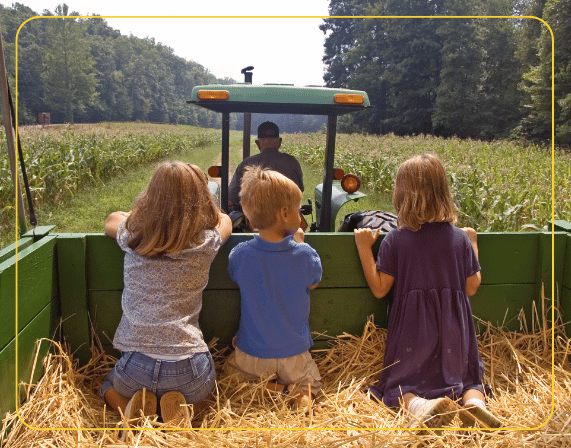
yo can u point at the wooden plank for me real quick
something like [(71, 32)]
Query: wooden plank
[(501, 304), (9, 251), (566, 280), (547, 265), (508, 257), (565, 306), (220, 315), (105, 313), (219, 278), (505, 258), (345, 310), (218, 318), (107, 275), (39, 231), (42, 326), (35, 268), (333, 311), (71, 255)]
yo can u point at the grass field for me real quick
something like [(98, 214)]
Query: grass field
[(78, 174)]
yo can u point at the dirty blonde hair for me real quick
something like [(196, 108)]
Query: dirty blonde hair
[(422, 194), (263, 193), (172, 212)]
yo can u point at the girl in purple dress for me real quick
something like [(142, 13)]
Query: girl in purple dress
[(431, 356)]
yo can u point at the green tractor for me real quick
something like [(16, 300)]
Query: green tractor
[(246, 98)]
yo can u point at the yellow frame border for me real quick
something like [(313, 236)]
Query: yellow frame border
[(315, 17)]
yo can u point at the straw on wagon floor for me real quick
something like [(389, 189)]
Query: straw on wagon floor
[(518, 368)]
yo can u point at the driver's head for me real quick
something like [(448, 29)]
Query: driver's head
[(264, 192), (268, 136)]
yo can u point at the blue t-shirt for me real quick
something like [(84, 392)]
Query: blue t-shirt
[(274, 281)]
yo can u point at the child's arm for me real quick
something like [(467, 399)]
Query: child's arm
[(379, 282), (224, 227), (113, 221), (473, 282)]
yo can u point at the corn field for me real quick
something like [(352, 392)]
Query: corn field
[(61, 161), (497, 186)]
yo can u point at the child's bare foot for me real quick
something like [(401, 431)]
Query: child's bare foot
[(301, 398)]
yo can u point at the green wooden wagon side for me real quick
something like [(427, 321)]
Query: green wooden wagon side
[(78, 278)]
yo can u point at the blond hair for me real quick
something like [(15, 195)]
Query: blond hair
[(422, 194), (172, 212), (263, 192)]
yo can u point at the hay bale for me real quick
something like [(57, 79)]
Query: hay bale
[(518, 366)]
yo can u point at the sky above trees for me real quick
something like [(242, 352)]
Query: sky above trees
[(281, 50)]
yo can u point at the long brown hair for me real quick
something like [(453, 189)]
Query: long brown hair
[(172, 211), (422, 194)]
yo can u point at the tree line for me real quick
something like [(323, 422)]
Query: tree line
[(483, 78), (82, 70)]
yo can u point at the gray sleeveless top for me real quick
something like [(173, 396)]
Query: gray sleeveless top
[(162, 298)]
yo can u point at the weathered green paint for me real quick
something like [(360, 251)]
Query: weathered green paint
[(352, 307), (42, 326), (220, 314), (513, 266), (72, 269), (565, 307), (547, 266), (501, 304), (36, 286)]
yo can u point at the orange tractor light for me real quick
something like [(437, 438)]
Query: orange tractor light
[(213, 94), (349, 98), (350, 183), (214, 171)]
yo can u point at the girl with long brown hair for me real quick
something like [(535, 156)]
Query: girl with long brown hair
[(431, 356), (170, 238)]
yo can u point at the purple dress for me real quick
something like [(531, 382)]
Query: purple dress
[(431, 348)]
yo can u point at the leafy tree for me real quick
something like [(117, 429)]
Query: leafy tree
[(30, 50), (500, 98), (538, 123), (69, 78)]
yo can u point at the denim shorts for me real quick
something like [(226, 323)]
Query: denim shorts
[(194, 377)]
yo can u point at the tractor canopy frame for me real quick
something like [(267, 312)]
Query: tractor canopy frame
[(281, 99)]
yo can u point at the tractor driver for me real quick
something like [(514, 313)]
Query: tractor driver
[(269, 142)]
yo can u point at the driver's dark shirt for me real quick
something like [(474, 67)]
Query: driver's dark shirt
[(285, 164)]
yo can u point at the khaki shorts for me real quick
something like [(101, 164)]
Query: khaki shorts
[(299, 369)]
